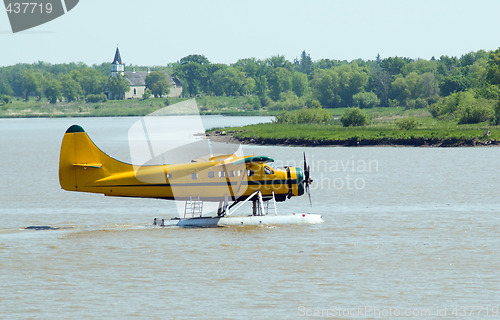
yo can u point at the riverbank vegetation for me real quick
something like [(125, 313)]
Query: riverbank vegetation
[(389, 99), (115, 108), (276, 83), (392, 127)]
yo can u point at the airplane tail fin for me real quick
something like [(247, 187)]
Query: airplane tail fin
[(81, 162)]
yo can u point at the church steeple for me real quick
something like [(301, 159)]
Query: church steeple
[(118, 58), (117, 66)]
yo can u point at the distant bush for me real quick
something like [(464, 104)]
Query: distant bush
[(304, 116), (468, 114), (447, 106), (365, 100), (418, 103), (313, 103), (287, 101), (408, 123), (252, 103), (4, 99), (93, 98), (355, 117), (147, 94), (463, 106)]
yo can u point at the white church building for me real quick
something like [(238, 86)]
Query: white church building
[(137, 79)]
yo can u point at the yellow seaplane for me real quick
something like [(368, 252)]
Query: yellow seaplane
[(228, 180)]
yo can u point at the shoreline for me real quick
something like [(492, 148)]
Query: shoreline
[(225, 137)]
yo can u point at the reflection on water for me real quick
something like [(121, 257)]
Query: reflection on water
[(406, 229)]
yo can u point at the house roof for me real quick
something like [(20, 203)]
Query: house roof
[(118, 58), (138, 78)]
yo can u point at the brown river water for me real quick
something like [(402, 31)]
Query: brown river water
[(408, 233)]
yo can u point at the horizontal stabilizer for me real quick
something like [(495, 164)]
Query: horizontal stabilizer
[(88, 165)]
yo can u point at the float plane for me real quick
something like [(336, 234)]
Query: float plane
[(229, 180)]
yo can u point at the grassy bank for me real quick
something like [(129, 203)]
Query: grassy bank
[(383, 131), (117, 108)]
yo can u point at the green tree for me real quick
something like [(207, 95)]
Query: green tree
[(193, 74), (158, 83), (300, 83), (400, 91), (420, 66), (305, 64), (477, 73), (196, 58), (380, 83), (71, 90), (249, 86), (229, 82), (447, 65), (279, 62), (325, 85), (116, 87), (279, 80), (207, 81), (53, 90), (91, 80), (428, 86), (261, 89), (414, 84), (250, 66), (31, 83), (5, 88), (493, 68), (352, 79), (327, 64), (453, 83), (394, 65)]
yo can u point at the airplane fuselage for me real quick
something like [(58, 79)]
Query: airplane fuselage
[(84, 167)]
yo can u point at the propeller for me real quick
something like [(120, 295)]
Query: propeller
[(307, 178)]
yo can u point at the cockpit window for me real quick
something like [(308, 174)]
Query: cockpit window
[(268, 170), (271, 165)]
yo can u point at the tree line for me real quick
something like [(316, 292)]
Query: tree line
[(278, 84), (394, 81), (71, 82)]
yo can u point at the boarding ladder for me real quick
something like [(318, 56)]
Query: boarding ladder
[(259, 208), (193, 208)]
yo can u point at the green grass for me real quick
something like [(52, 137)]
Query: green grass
[(431, 132), (129, 107), (32, 108), (382, 129)]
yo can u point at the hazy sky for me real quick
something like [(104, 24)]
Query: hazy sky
[(156, 32)]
